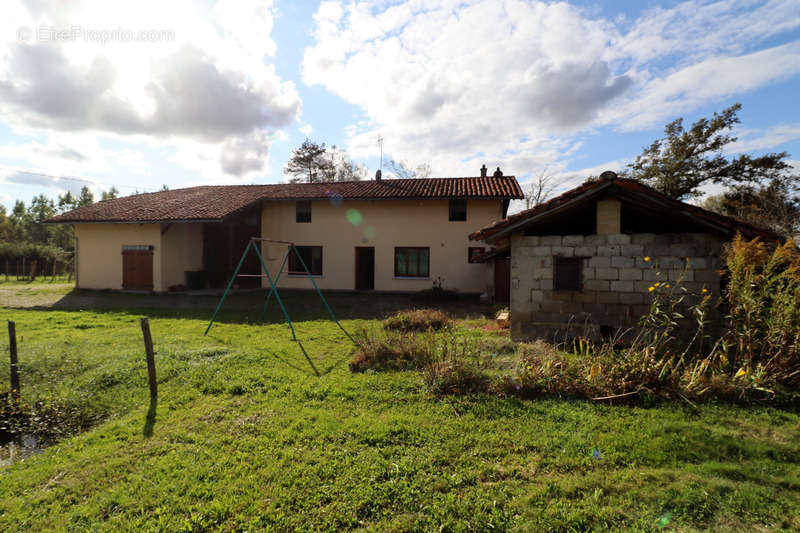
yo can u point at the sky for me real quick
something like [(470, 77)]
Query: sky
[(138, 95)]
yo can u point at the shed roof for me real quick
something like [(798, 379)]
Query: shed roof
[(623, 188), (216, 202)]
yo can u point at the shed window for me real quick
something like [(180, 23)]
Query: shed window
[(568, 273), (303, 211), (458, 210), (412, 262), (312, 257)]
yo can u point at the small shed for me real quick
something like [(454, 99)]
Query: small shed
[(583, 263)]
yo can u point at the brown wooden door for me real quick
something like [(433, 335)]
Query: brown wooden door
[(365, 268), (137, 269), (502, 279)]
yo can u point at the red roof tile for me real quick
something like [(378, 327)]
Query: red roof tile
[(637, 187), (214, 203)]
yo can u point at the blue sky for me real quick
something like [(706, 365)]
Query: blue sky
[(137, 95)]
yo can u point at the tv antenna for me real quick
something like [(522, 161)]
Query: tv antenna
[(380, 145)]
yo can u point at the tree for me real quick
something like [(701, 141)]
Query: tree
[(342, 167), (86, 197), (110, 194), (775, 205), (41, 209), (309, 163), (683, 161), (539, 190), (404, 170)]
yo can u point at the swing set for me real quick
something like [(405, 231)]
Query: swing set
[(253, 244)]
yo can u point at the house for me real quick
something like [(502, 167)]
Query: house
[(384, 235), (584, 262)]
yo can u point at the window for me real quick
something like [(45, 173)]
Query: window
[(568, 273), (303, 211), (474, 251), (458, 210), (312, 257), (412, 262)]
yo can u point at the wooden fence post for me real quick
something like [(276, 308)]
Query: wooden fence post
[(12, 345), (151, 363)]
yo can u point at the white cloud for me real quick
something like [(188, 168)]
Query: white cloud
[(751, 140), (208, 84), (457, 83)]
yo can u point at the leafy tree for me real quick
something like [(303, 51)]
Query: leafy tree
[(5, 225), (309, 163), (683, 161), (110, 194), (67, 202), (774, 205), (164, 187), (342, 167), (86, 197), (41, 209)]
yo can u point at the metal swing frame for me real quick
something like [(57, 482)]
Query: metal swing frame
[(253, 244)]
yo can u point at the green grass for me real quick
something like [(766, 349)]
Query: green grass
[(247, 437)]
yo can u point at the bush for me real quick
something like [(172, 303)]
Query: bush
[(387, 350), (417, 320), (454, 365)]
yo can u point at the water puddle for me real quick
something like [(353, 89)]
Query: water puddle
[(19, 449)]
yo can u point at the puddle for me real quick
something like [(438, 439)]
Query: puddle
[(19, 449)]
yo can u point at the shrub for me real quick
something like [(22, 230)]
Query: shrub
[(454, 365), (417, 320), (387, 350)]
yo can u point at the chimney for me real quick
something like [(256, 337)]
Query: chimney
[(377, 175), (498, 173), (608, 176), (483, 171)]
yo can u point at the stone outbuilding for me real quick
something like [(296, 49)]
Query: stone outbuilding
[(583, 263)]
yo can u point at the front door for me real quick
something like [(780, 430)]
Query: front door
[(137, 268), (365, 268)]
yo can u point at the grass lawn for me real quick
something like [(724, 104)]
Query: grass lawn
[(246, 437)]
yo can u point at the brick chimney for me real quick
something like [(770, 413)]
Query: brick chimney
[(498, 173), (483, 171)]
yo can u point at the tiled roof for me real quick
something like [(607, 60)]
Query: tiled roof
[(212, 203), (589, 187)]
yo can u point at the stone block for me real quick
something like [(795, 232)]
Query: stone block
[(586, 297), (588, 273), (631, 298), (653, 275), (543, 262), (642, 286), (596, 285), (551, 306), (619, 238), (643, 238), (572, 240), (607, 250), (595, 240), (670, 261), (657, 250), (571, 308), (608, 216), (540, 251), (630, 274), (607, 297), (682, 250), (641, 263), (542, 273), (550, 240), (622, 262), (563, 251), (600, 262), (607, 273), (706, 276), (698, 262), (529, 240), (585, 251), (632, 250), (546, 284), (687, 275), (622, 286)]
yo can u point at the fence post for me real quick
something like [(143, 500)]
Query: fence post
[(151, 363), (12, 345)]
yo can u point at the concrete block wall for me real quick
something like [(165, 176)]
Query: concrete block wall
[(616, 278)]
